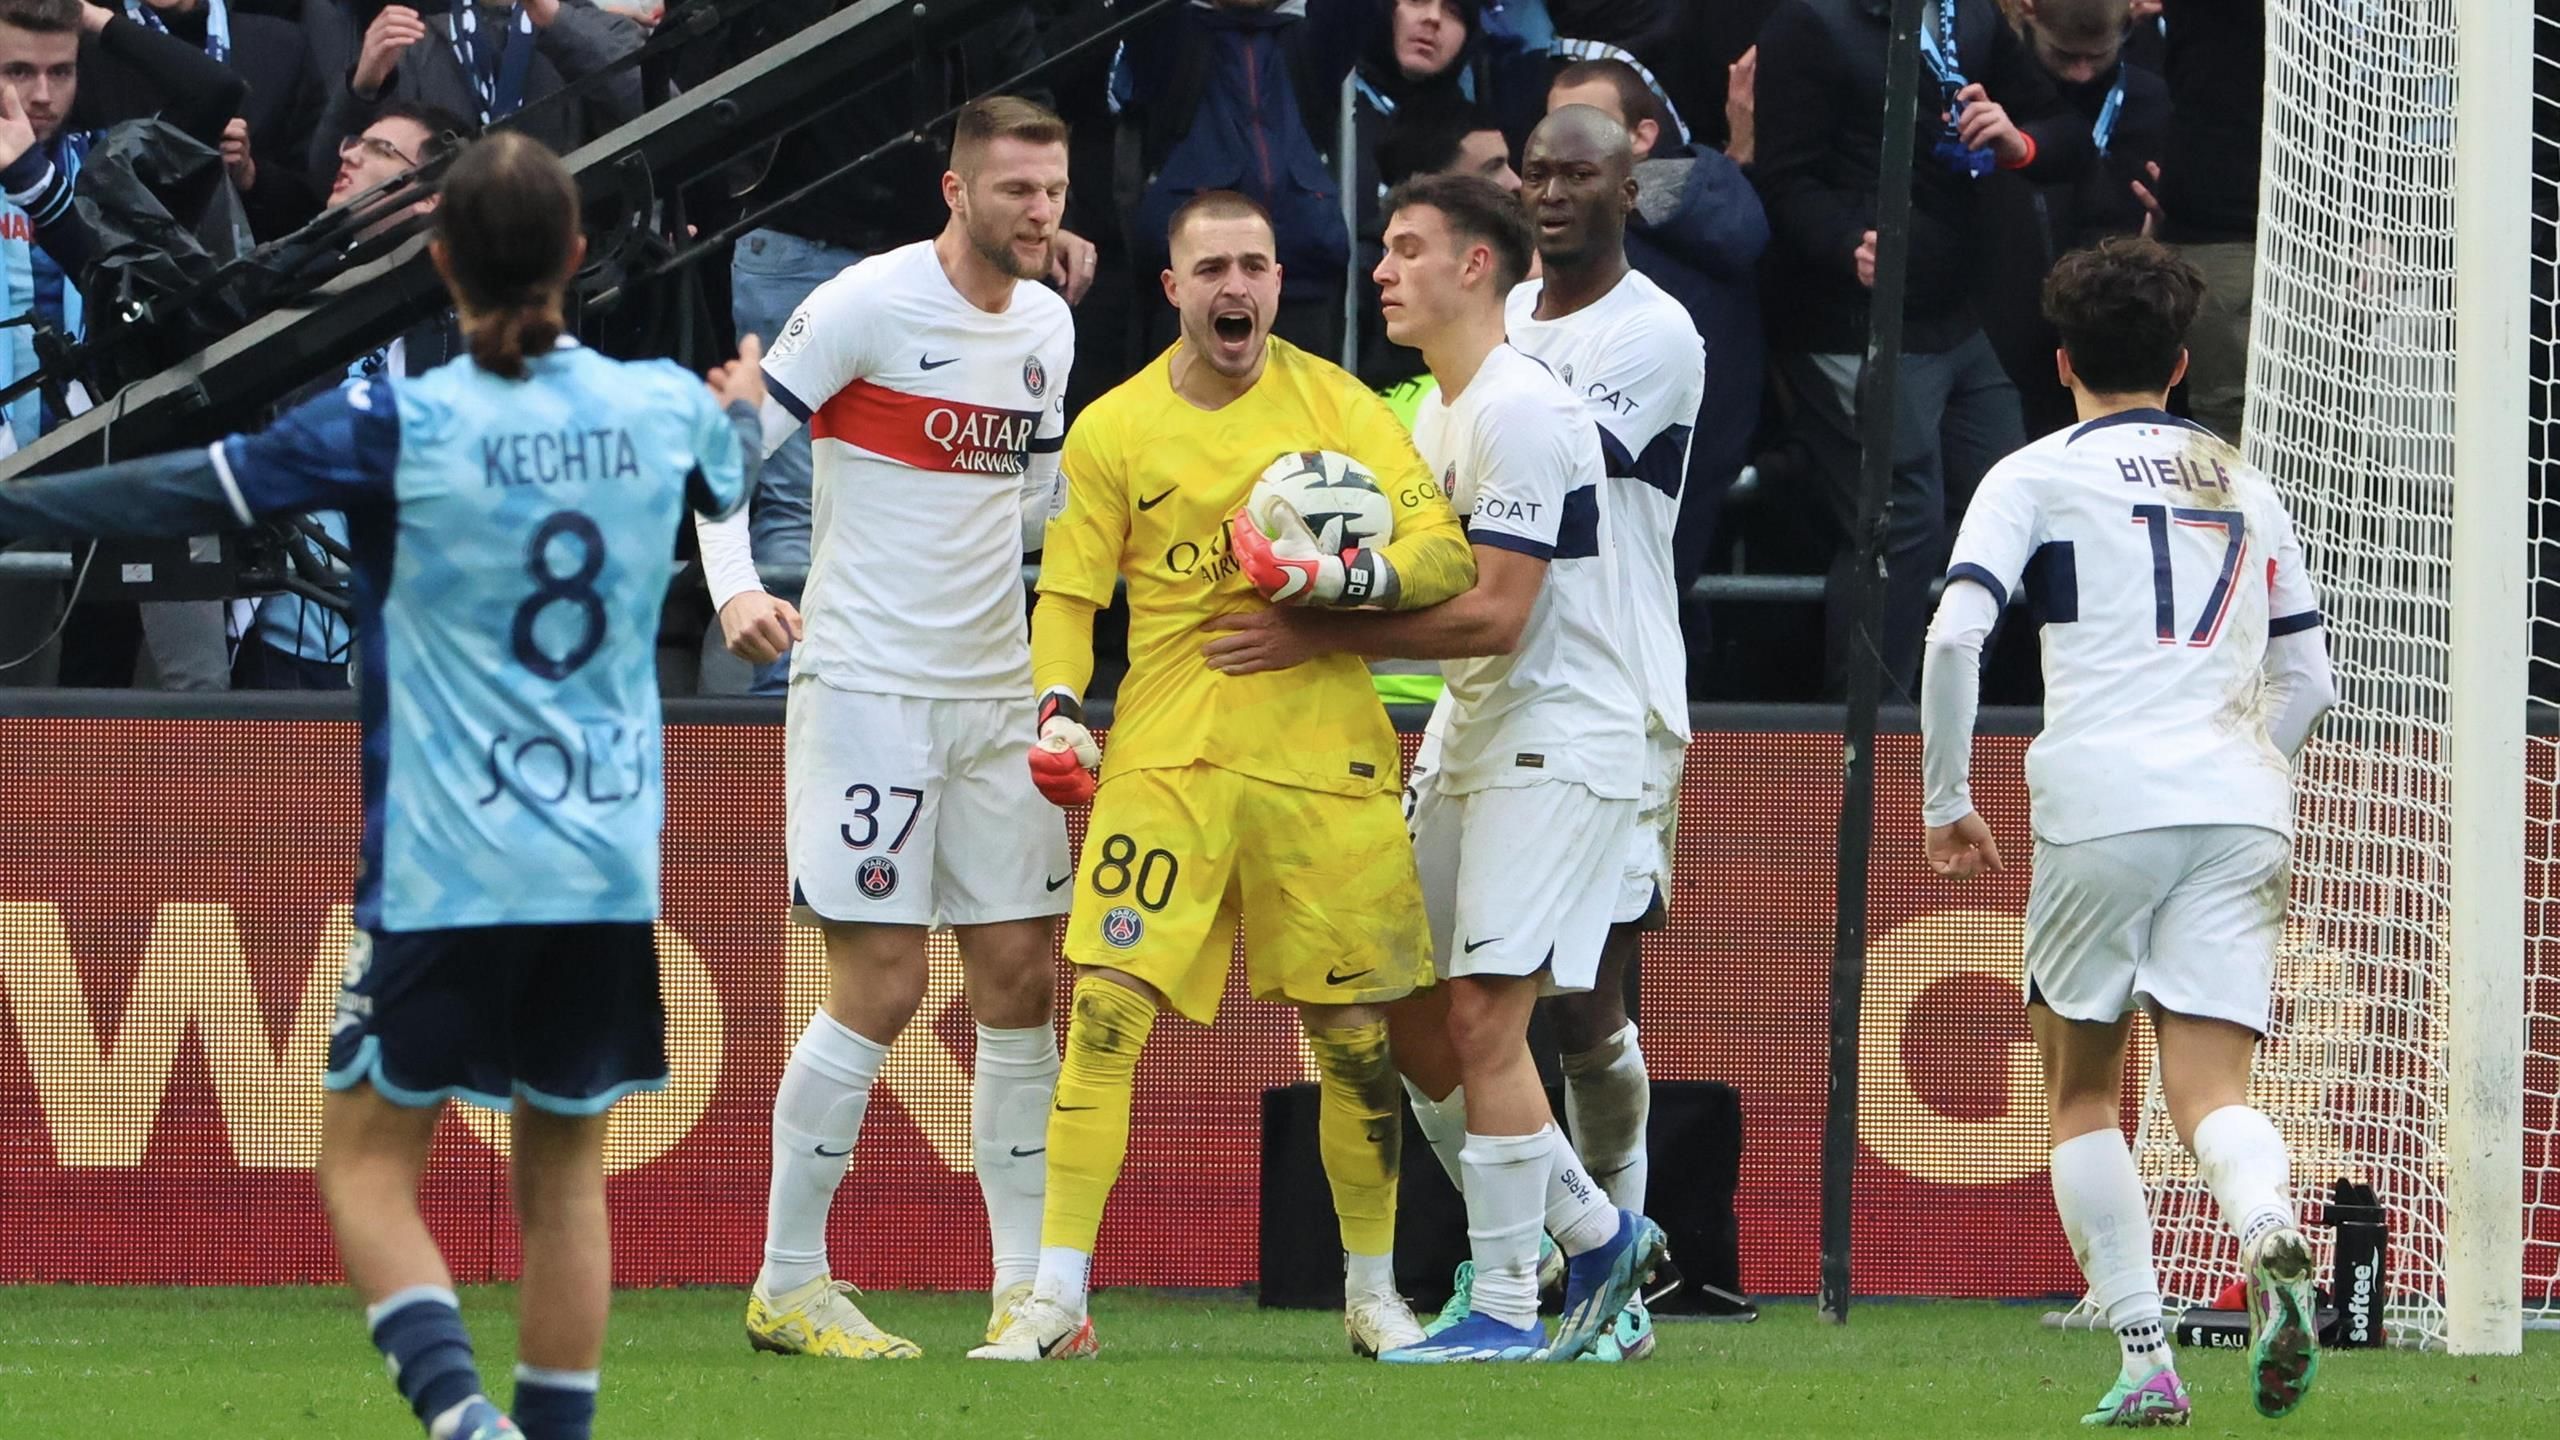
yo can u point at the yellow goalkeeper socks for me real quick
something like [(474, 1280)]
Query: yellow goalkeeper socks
[(1089, 1120), (1359, 1133)]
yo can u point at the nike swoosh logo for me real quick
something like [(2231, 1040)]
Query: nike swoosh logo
[(833, 1154), (926, 362), (1475, 945), (1049, 1347), (1061, 880), (1021, 1154), (1334, 977), (1152, 501), (1079, 1107)]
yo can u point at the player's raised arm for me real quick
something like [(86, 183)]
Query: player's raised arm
[(728, 441), (333, 452)]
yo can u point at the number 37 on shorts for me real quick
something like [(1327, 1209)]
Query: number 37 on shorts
[(1322, 885)]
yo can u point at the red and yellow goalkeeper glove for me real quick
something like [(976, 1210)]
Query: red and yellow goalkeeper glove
[(1288, 567), (1065, 756)]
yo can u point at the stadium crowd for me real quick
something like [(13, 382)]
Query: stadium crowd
[(2044, 125)]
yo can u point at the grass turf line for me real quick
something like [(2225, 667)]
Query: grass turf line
[(294, 1363)]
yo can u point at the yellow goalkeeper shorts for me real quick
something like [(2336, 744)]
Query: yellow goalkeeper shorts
[(1323, 884)]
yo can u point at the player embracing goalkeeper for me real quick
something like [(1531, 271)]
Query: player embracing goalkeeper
[(1266, 800)]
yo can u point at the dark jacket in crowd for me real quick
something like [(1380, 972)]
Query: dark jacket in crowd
[(582, 41), (877, 207), (283, 107), (132, 72), (2027, 226), (2217, 65), (1698, 232), (1821, 88), (1245, 100)]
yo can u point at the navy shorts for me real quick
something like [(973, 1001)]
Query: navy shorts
[(566, 1017)]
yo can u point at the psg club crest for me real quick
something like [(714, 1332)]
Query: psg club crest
[(1035, 377), (1121, 927), (878, 877), (1449, 481)]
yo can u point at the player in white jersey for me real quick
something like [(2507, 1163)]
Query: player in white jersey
[(932, 382), (1633, 356), (2185, 666), (1519, 830)]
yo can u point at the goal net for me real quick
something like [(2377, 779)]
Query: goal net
[(2352, 409)]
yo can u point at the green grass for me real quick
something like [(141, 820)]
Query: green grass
[(294, 1363)]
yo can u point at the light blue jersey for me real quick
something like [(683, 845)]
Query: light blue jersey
[(512, 544)]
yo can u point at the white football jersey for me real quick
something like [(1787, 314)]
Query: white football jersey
[(925, 414), (1521, 464), (2158, 565), (1635, 360)]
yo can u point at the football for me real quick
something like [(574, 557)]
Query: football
[(1335, 494)]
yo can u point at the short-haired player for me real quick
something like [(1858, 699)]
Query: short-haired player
[(1630, 353), (932, 381), (1521, 827), (1264, 801), (2185, 666)]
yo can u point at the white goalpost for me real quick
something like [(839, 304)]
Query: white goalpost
[(2400, 395)]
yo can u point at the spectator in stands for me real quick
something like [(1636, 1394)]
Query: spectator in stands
[(469, 65), (1432, 133), (1442, 136), (2082, 46), (1661, 39), (1986, 105), (2204, 196), (292, 643), (1243, 95), (1698, 232), (77, 69), (265, 146), (880, 207)]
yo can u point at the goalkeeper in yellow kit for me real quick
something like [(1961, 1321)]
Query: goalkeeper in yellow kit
[(1267, 799)]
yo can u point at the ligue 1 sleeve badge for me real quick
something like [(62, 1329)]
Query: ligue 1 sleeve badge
[(877, 876), (1035, 377)]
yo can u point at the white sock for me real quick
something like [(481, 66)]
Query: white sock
[(2098, 1194), (1373, 1275), (1505, 1188), (1608, 1098), (1444, 1124), (1017, 1076), (2243, 1161), (1063, 1274), (817, 1115), (1580, 1213)]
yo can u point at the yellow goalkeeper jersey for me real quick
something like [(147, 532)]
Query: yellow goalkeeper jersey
[(1150, 479)]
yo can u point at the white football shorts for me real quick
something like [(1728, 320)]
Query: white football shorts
[(1519, 879), (1644, 893), (906, 811), (2183, 918)]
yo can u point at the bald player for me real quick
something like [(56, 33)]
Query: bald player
[(1629, 353)]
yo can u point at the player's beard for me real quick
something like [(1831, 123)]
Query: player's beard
[(997, 250)]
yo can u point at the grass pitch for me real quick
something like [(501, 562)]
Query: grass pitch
[(294, 1363)]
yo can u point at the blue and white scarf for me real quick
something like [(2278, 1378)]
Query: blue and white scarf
[(497, 72), (217, 24), (19, 262)]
